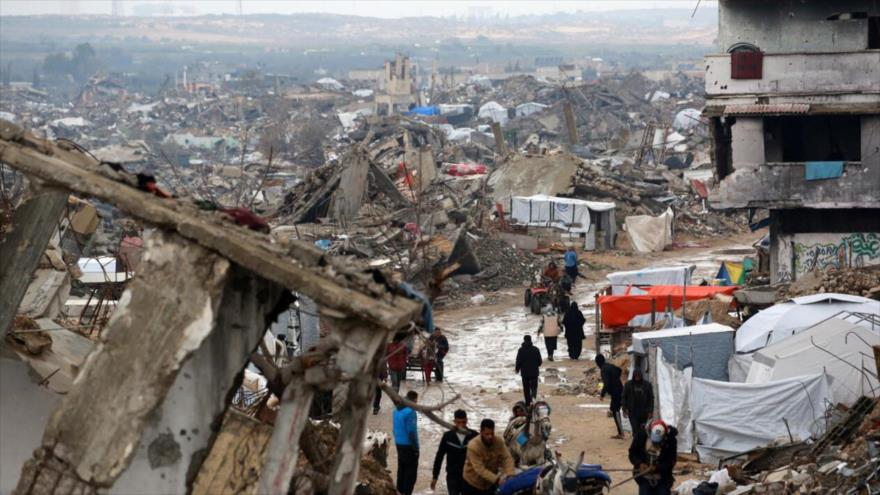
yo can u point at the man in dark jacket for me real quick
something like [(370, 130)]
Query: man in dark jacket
[(638, 401), (453, 445), (528, 360), (442, 351), (611, 385), (653, 453)]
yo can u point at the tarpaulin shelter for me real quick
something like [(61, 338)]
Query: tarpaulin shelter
[(618, 310), (650, 234), (665, 275), (786, 319), (493, 111), (706, 348), (839, 348), (730, 418), (570, 215), (731, 273), (673, 399)]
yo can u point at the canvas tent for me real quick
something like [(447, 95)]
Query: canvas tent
[(839, 348), (730, 418), (493, 111), (667, 275), (673, 399), (786, 319), (650, 234), (540, 210), (704, 347)]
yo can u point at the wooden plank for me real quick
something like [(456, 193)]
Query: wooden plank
[(236, 459), (33, 223), (98, 425), (302, 267)]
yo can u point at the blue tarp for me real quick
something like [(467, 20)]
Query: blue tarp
[(823, 170), (424, 111), (427, 309)]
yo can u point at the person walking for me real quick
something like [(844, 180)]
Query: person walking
[(638, 401), (488, 462), (528, 362), (653, 453), (571, 264), (611, 385), (396, 355), (550, 328), (428, 356), (453, 446), (442, 351), (573, 322), (406, 439)]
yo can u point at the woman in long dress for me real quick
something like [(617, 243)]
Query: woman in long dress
[(574, 330)]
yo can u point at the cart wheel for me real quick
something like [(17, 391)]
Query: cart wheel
[(527, 298)]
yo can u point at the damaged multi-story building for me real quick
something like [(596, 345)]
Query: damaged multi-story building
[(398, 80), (793, 101)]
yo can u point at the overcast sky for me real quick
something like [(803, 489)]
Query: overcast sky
[(369, 8)]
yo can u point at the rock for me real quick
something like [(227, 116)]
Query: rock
[(778, 476)]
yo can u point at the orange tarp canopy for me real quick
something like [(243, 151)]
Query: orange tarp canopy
[(618, 310)]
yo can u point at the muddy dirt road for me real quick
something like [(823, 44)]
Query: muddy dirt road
[(484, 341)]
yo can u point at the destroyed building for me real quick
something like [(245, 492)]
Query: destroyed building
[(795, 121), (398, 92)]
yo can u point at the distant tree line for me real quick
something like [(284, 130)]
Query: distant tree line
[(81, 63)]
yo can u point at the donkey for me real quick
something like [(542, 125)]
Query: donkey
[(526, 437)]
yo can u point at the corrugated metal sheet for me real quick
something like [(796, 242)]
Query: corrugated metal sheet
[(764, 109)]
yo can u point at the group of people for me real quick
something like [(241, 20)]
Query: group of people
[(397, 354), (473, 466), (571, 323)]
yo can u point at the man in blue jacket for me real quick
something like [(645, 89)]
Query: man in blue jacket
[(406, 438)]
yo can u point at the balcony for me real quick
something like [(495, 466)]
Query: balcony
[(800, 74)]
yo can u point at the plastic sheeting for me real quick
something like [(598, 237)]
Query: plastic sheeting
[(738, 367), (730, 418), (674, 391), (618, 310), (570, 215), (687, 119), (783, 320), (667, 275), (705, 347), (840, 349), (650, 234), (494, 111)]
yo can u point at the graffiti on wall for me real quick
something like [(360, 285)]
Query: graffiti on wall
[(847, 250)]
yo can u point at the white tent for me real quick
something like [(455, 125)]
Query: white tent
[(494, 111), (330, 83), (705, 347), (673, 396), (665, 275), (730, 418), (529, 108), (786, 319), (687, 119), (650, 234), (839, 348), (540, 210)]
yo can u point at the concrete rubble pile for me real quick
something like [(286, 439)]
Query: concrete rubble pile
[(863, 281)]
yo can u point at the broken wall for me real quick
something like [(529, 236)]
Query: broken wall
[(794, 27)]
